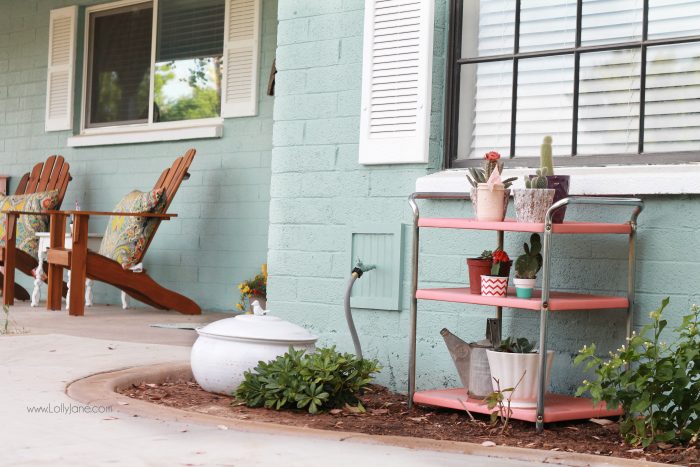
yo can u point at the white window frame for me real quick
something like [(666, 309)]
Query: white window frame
[(136, 132)]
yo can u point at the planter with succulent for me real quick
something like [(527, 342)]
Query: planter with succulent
[(487, 186), (515, 364), (527, 266), (495, 284), (558, 183), (481, 266), (532, 203)]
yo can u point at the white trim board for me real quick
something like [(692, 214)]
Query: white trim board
[(146, 136), (611, 180)]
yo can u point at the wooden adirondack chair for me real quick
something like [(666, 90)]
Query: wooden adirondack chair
[(88, 264), (53, 174)]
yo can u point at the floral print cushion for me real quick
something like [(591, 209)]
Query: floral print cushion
[(28, 226), (126, 237)]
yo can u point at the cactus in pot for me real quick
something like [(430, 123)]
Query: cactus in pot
[(532, 203), (559, 183), (501, 191), (527, 266)]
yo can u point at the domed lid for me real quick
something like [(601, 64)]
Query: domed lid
[(258, 328)]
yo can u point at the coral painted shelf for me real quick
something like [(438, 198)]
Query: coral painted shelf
[(558, 301), (511, 225), (558, 407)]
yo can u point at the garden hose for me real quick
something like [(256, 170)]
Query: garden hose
[(357, 272)]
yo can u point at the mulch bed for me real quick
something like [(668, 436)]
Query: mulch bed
[(387, 414)]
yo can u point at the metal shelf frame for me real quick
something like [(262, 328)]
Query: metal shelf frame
[(548, 231)]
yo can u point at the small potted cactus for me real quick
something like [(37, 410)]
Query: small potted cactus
[(496, 283), (527, 266), (532, 203), (482, 266), (495, 192), (558, 183)]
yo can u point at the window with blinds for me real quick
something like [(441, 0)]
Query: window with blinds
[(609, 80)]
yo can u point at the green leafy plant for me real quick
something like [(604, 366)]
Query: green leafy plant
[(528, 264), (321, 380), (500, 400), (516, 345), (657, 384)]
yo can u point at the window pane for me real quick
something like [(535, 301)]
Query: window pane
[(188, 60), (545, 104), (608, 116), (547, 24), (672, 110), (487, 27), (120, 65), (609, 21), (673, 18), (485, 102)]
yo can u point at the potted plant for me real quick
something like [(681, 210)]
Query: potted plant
[(252, 290), (532, 202), (558, 183), (527, 266), (481, 265), (496, 283), (515, 364), (495, 193)]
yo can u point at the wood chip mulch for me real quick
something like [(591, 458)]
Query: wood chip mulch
[(387, 414)]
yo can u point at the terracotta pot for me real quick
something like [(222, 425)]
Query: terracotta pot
[(531, 205), (477, 267), (508, 368), (474, 195), (491, 204), (494, 286)]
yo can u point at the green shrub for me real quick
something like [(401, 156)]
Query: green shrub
[(322, 380), (657, 384)]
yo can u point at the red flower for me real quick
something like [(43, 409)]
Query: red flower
[(492, 156), (500, 256)]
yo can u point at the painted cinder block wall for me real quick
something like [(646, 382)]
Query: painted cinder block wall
[(319, 191), (220, 236)]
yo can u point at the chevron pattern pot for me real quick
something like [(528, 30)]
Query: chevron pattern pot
[(494, 286)]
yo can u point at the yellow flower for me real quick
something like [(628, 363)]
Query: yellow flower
[(239, 306), (264, 270), (245, 289)]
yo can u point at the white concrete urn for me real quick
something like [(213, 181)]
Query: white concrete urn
[(225, 349)]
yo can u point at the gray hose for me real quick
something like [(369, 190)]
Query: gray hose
[(348, 316)]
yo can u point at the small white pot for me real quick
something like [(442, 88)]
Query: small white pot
[(494, 286), (524, 283), (491, 204), (508, 368), (225, 349)]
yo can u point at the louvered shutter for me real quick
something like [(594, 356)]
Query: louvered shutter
[(241, 56), (61, 69), (396, 81)]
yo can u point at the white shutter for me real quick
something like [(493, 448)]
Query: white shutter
[(63, 24), (396, 81), (241, 56)]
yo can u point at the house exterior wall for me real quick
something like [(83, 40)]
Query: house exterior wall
[(319, 192), (220, 236)]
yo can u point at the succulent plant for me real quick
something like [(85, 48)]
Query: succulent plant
[(539, 181), (513, 345), (478, 175), (528, 264), (546, 155)]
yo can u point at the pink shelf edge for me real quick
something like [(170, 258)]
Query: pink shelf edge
[(558, 407), (559, 301), (512, 225)]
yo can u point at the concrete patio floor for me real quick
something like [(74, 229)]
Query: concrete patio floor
[(57, 349)]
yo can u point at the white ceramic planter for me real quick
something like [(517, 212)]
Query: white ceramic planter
[(524, 287), (225, 349), (509, 367), (474, 195), (494, 286), (491, 203)]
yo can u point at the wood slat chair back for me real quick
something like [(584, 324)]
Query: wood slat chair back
[(54, 174), (170, 181)]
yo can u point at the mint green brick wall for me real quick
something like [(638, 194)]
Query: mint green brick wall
[(220, 236), (319, 191)]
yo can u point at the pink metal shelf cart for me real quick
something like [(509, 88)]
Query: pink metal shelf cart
[(550, 407)]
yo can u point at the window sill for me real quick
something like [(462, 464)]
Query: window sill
[(610, 180), (103, 137)]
